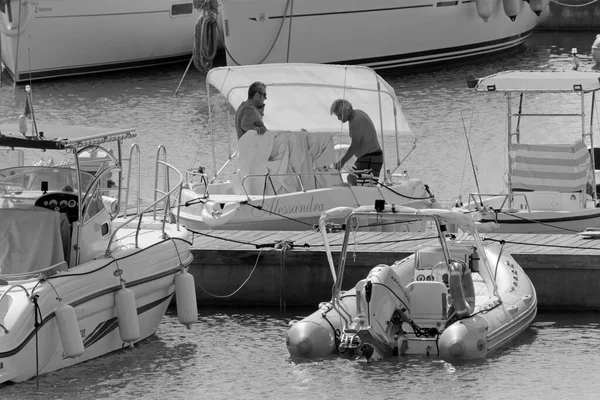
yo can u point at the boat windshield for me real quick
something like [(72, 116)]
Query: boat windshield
[(17, 180)]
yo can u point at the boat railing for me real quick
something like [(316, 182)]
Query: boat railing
[(134, 150), (161, 195), (197, 177), (38, 274), (268, 178), (477, 199)]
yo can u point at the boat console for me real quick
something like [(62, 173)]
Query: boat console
[(430, 264)]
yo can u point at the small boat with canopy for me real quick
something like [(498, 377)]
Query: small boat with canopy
[(551, 176), (284, 179)]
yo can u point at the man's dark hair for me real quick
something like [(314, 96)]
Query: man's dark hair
[(256, 87)]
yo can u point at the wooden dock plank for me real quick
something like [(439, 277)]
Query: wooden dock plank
[(542, 244)]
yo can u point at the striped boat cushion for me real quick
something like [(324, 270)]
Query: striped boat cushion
[(550, 167)]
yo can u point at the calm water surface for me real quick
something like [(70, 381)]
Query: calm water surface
[(235, 354)]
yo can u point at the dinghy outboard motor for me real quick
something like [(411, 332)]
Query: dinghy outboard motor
[(381, 306)]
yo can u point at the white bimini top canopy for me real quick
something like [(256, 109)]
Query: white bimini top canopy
[(299, 96), (540, 81)]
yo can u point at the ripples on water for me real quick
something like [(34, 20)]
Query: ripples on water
[(235, 354), (241, 354)]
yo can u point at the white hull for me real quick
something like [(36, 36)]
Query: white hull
[(380, 34), (81, 274), (90, 288), (298, 210), (547, 222), (72, 37)]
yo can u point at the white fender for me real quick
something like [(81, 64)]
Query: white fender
[(68, 330), (484, 9), (511, 8), (185, 297), (129, 325), (20, 20), (596, 49), (217, 214), (537, 6), (487, 227), (462, 289)]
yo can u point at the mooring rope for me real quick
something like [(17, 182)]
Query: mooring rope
[(236, 290), (205, 42)]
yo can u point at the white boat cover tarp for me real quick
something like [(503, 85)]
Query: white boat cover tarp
[(539, 81), (299, 96), (290, 158)]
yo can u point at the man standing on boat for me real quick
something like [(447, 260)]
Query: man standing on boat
[(249, 113), (364, 146)]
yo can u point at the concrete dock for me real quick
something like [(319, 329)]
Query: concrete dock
[(242, 268)]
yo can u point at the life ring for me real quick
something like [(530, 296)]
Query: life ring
[(462, 289), (13, 28), (217, 214)]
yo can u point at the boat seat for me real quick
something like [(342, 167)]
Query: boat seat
[(428, 303), (564, 171)]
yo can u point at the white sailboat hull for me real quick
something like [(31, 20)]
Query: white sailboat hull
[(380, 34), (72, 37)]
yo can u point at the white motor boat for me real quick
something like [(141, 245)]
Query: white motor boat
[(81, 274), (378, 33), (54, 38), (284, 180), (457, 299), (550, 182)]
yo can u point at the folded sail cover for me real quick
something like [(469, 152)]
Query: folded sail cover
[(550, 167)]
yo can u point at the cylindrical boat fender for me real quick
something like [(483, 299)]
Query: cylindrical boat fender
[(537, 6), (15, 28), (484, 9), (129, 325), (217, 214), (185, 297), (511, 8), (463, 340), (22, 125), (462, 289), (596, 49), (68, 330)]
